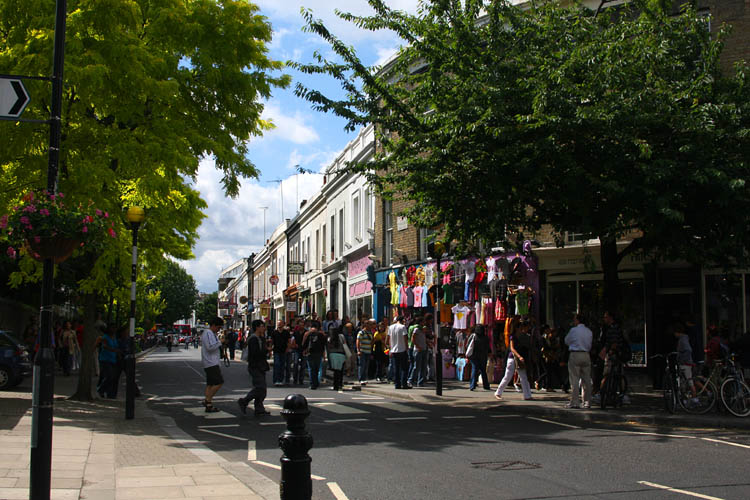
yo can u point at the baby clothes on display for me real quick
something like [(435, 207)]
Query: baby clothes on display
[(522, 302), (491, 268), (411, 275), (420, 276), (501, 311), (448, 294), (402, 296), (460, 314), (429, 276), (460, 343), (395, 296), (418, 294), (469, 270)]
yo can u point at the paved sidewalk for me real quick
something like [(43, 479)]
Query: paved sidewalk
[(98, 455), (646, 406)]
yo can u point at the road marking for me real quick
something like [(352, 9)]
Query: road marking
[(366, 398), (339, 409), (336, 421), (459, 416), (222, 434), (553, 422), (676, 490), (219, 426), (251, 452), (337, 491), (397, 407), (266, 464), (726, 442), (642, 433), (201, 411), (201, 375), (278, 467), (273, 423), (282, 399), (505, 416), (406, 418)]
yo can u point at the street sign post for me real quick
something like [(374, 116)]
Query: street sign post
[(13, 98)]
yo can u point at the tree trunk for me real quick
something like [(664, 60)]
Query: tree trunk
[(610, 261), (90, 333)]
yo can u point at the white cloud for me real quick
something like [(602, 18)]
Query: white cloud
[(384, 53), (293, 128), (233, 228), (289, 11)]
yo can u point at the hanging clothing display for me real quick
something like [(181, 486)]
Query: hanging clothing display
[(460, 316), (429, 276)]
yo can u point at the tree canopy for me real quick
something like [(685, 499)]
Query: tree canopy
[(177, 290), (497, 121), (207, 307), (150, 88)]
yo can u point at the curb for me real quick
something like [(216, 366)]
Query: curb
[(594, 416), (141, 354)]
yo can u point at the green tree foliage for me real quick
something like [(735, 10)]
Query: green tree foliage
[(150, 88), (178, 292), (495, 121), (207, 307)]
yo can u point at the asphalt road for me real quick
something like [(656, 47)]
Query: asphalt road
[(375, 448)]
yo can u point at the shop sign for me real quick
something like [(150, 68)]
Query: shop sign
[(318, 283), (359, 266), (274, 280), (224, 304), (401, 223), (265, 310), (291, 307), (360, 288), (296, 268)]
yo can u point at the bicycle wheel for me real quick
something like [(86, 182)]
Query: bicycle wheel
[(736, 397), (609, 392), (705, 397), (670, 394)]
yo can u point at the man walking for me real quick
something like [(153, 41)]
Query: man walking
[(257, 366), (210, 358), (579, 340), (280, 339), (364, 349), (398, 351)]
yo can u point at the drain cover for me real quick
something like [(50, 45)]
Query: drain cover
[(507, 465)]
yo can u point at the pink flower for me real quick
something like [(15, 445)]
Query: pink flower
[(112, 233), (61, 195), (30, 208), (44, 212), (52, 197), (106, 215), (37, 239), (11, 252), (98, 213), (25, 220), (3, 222), (85, 229)]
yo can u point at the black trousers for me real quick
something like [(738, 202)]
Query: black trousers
[(258, 393)]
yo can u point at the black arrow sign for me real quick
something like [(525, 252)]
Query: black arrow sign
[(22, 98)]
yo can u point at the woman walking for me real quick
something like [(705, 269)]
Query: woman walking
[(69, 347), (378, 352), (520, 345), (336, 357)]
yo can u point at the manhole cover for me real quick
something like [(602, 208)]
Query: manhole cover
[(507, 465)]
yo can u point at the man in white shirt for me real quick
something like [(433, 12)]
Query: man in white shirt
[(210, 346), (397, 334), (579, 340)]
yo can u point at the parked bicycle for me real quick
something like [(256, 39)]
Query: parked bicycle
[(615, 388), (735, 394)]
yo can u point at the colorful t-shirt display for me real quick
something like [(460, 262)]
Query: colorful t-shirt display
[(460, 315)]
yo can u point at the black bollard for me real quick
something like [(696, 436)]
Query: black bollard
[(295, 442)]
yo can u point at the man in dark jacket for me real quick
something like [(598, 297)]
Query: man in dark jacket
[(257, 366)]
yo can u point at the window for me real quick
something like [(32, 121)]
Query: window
[(424, 235), (341, 232), (317, 246), (323, 255), (303, 251), (356, 226), (367, 208), (333, 237), (388, 222)]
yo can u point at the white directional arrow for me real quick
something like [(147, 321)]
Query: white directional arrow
[(13, 98)]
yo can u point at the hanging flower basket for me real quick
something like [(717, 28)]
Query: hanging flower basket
[(57, 248), (46, 227)]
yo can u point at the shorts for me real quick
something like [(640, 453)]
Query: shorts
[(687, 372), (213, 375)]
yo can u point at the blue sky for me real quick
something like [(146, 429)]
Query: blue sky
[(234, 227)]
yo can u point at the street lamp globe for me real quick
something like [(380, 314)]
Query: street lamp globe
[(135, 215)]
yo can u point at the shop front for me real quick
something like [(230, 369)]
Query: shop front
[(359, 289)]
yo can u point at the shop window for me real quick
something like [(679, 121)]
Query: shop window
[(424, 235), (563, 303), (388, 220), (341, 232), (724, 303)]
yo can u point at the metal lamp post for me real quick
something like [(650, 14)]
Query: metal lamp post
[(135, 216)]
